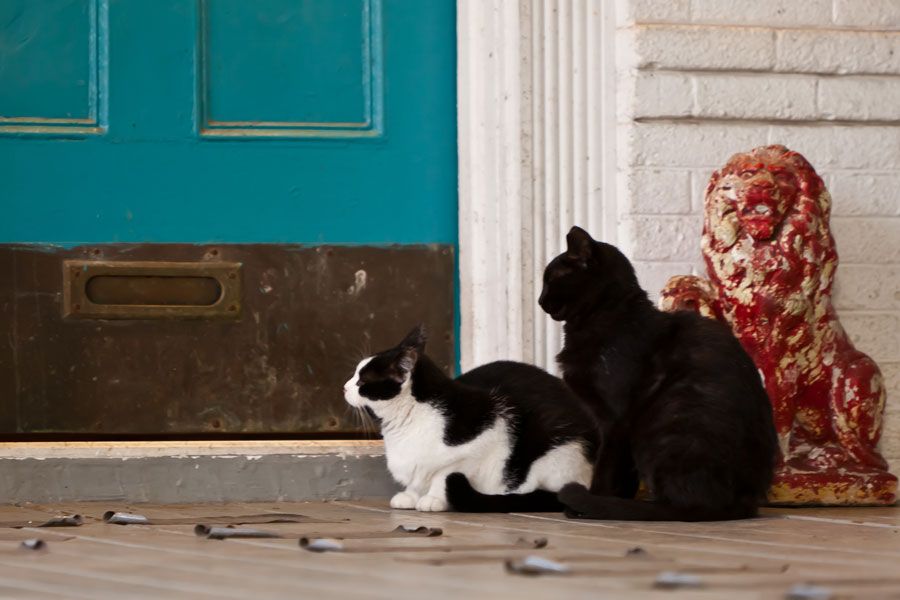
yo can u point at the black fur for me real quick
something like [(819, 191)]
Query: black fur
[(545, 412), (680, 402), (464, 498), (541, 410)]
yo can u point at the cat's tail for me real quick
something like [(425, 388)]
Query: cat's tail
[(464, 498), (581, 504)]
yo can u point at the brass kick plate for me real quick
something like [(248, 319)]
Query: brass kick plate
[(151, 290)]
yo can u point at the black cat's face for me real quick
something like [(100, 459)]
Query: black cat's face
[(583, 276), (385, 375), (565, 280)]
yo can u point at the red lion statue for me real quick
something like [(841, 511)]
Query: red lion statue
[(771, 262)]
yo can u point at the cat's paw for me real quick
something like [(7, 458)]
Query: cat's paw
[(431, 504), (404, 501)]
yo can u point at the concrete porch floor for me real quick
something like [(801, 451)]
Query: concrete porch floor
[(852, 553)]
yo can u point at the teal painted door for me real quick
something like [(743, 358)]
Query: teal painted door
[(313, 141), (302, 121)]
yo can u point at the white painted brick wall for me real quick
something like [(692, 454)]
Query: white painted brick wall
[(658, 192), (681, 47), (854, 98), (653, 11), (662, 238), (867, 240), (810, 51), (784, 13), (750, 96), (662, 94), (859, 193), (763, 96), (867, 287), (702, 79), (868, 14), (815, 14)]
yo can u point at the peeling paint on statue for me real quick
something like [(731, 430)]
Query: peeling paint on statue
[(771, 261)]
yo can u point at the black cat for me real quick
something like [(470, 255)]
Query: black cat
[(681, 403)]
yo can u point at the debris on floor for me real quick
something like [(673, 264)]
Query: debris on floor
[(672, 580), (230, 531), (332, 545), (808, 592), (33, 544), (536, 565), (124, 518), (57, 521), (357, 549)]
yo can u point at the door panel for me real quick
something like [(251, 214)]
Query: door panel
[(264, 130), (48, 64), (294, 67)]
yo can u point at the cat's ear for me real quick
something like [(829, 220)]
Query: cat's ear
[(412, 346), (407, 360), (579, 244), (415, 339)]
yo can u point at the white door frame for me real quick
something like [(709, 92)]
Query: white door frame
[(536, 119)]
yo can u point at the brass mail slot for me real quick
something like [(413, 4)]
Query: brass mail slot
[(151, 290)]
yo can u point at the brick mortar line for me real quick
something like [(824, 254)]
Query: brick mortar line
[(811, 123), (670, 215), (701, 26), (824, 172), (694, 71), (642, 261), (838, 216)]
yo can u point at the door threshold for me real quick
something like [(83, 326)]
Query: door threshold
[(175, 472)]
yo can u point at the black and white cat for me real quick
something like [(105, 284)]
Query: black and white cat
[(509, 428)]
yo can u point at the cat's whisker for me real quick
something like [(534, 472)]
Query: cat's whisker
[(361, 420), (355, 355), (358, 422), (350, 410), (350, 360), (369, 427), (365, 427)]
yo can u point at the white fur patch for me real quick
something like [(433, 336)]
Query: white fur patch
[(563, 464)]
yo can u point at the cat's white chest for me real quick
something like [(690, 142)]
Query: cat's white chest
[(415, 448), (417, 454)]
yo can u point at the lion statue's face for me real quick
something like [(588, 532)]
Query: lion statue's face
[(766, 223), (758, 189)]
